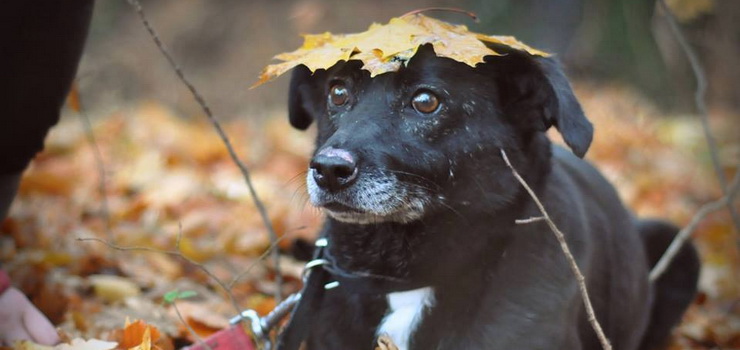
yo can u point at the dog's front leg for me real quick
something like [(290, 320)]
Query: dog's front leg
[(527, 299)]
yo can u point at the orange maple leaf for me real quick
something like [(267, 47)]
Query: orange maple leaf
[(139, 335), (384, 48)]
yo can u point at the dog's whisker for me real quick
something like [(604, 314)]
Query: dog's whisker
[(297, 177), (454, 211), (417, 176), (300, 190)]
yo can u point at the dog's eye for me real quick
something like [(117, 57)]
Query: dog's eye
[(425, 102), (338, 94)]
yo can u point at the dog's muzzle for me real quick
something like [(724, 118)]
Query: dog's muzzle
[(350, 193)]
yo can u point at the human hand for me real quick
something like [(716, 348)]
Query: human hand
[(20, 320)]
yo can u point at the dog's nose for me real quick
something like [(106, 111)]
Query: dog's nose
[(334, 169)]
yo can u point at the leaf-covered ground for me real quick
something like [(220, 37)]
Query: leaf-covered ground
[(171, 194)]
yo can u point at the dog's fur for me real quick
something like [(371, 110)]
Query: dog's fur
[(433, 202)]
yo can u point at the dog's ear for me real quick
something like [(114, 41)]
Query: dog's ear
[(566, 113), (535, 93), (301, 99)]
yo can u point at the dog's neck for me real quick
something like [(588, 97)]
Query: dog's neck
[(409, 252), (382, 249)]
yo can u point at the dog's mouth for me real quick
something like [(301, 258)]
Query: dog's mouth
[(340, 208), (375, 197)]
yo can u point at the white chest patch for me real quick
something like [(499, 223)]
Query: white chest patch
[(405, 312)]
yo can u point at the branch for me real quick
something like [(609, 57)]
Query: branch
[(686, 232), (699, 99), (217, 126), (568, 255), (530, 220)]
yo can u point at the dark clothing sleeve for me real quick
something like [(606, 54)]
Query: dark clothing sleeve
[(40, 45)]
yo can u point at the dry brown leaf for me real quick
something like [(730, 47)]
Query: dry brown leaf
[(29, 345), (146, 341), (90, 344), (205, 314), (52, 301), (384, 48), (48, 181), (196, 252), (139, 335), (113, 288)]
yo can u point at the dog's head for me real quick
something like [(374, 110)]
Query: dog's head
[(398, 146)]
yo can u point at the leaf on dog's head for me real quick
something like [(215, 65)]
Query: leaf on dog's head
[(385, 47)]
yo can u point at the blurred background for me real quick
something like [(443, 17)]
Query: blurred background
[(224, 44), (156, 175)]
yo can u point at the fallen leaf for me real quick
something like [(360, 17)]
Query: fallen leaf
[(51, 182), (205, 316), (90, 344), (193, 251), (146, 341), (29, 345), (113, 288), (201, 329), (138, 335), (52, 301)]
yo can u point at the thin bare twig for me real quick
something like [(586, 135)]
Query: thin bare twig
[(470, 14), (97, 155), (530, 220), (222, 134), (701, 106), (686, 232), (568, 255)]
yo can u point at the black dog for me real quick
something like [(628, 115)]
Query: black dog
[(421, 211)]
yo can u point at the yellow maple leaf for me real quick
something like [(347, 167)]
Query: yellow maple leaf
[(385, 47)]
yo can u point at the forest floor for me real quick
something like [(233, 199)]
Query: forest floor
[(173, 215)]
